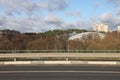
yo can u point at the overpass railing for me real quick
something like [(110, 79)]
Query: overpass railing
[(59, 51)]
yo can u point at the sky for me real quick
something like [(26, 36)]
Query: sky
[(44, 15)]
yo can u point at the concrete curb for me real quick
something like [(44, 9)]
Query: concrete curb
[(37, 62), (57, 62), (79, 62), (17, 62), (103, 62), (60, 62)]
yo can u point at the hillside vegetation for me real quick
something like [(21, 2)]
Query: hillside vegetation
[(58, 40)]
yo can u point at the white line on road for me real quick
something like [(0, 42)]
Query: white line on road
[(98, 72)]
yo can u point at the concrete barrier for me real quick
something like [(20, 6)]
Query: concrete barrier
[(17, 62), (103, 62), (79, 62), (37, 62), (57, 62)]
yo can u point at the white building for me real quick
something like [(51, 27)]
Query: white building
[(87, 35), (118, 28), (101, 28)]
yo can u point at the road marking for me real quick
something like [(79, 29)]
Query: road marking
[(99, 72)]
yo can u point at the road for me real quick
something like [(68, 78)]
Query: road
[(60, 72)]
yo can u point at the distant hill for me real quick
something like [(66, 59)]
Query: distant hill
[(60, 32)]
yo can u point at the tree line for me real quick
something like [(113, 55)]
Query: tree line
[(58, 40)]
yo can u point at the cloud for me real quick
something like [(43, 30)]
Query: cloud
[(115, 5), (53, 19), (23, 24), (2, 20), (56, 22), (117, 11), (27, 20), (114, 2), (31, 22), (112, 20), (37, 23), (97, 4), (57, 4), (74, 14), (80, 24), (19, 6), (106, 16), (30, 7)]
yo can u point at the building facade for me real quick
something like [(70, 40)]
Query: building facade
[(118, 28), (101, 28)]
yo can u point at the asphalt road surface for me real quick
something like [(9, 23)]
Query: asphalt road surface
[(60, 72)]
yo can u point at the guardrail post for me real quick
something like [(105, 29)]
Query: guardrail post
[(14, 59), (66, 59)]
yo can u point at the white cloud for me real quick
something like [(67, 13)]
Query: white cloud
[(57, 23), (23, 24), (106, 17), (57, 4), (114, 2), (30, 6), (112, 20), (74, 13), (53, 19), (36, 23), (27, 23), (18, 6), (2, 20)]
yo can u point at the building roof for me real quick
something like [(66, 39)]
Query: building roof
[(84, 35)]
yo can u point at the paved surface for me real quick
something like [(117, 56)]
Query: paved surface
[(59, 72)]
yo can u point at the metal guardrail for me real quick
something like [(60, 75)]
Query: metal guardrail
[(59, 51), (59, 56)]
